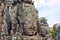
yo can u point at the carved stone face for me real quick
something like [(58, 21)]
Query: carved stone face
[(29, 28), (29, 22)]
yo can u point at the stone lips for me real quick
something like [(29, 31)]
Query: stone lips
[(27, 1)]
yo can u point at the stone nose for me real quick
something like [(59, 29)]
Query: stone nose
[(32, 27)]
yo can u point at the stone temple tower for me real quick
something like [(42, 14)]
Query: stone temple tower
[(20, 20)]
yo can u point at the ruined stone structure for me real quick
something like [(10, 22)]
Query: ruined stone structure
[(57, 32), (43, 29), (20, 21)]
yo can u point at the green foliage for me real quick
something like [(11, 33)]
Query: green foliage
[(53, 31)]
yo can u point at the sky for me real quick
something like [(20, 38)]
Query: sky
[(50, 9)]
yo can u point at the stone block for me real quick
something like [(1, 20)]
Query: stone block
[(30, 38)]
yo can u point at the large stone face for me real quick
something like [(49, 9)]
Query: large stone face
[(28, 19), (43, 29)]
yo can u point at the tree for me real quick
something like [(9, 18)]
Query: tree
[(53, 31)]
